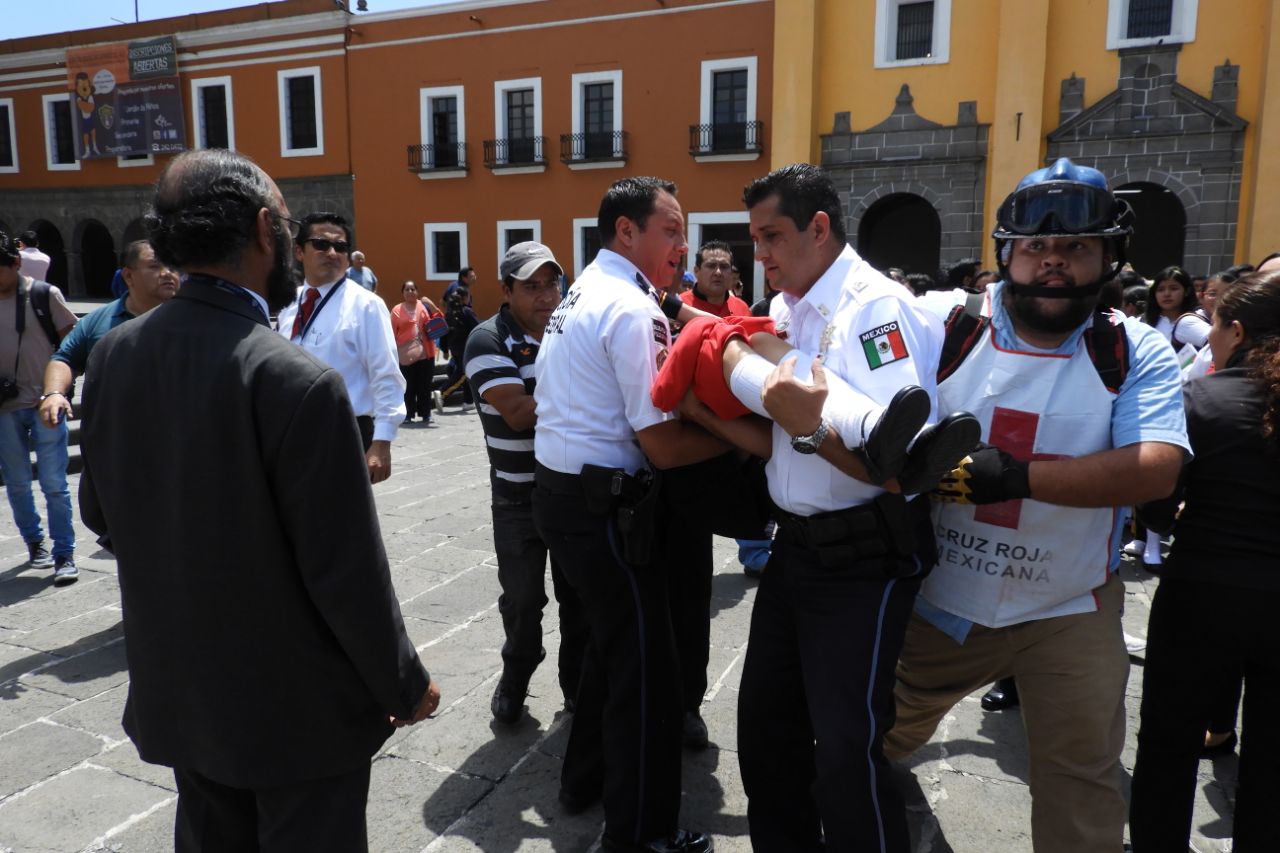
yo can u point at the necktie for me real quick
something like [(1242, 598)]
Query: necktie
[(304, 313)]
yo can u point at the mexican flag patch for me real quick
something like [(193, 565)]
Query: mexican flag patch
[(883, 345)]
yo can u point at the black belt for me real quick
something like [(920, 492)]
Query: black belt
[(556, 481), (883, 527), (610, 484)]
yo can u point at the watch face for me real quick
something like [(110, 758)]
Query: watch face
[(804, 445)]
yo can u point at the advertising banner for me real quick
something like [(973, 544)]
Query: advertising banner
[(126, 99)]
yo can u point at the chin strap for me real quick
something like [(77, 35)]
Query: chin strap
[(1079, 292)]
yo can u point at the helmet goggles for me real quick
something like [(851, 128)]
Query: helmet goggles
[(1060, 208)]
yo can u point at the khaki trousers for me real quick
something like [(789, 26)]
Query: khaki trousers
[(1071, 673)]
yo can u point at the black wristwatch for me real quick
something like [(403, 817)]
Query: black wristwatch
[(808, 444)]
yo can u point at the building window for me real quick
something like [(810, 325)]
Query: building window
[(131, 160), (911, 32), (212, 116), (727, 114), (586, 242), (446, 249), (597, 119), (301, 112), (8, 137), (444, 131), (1133, 23), (513, 231), (518, 120), (59, 136)]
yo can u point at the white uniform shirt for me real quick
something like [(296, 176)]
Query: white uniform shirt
[(352, 334), (600, 354), (35, 263), (877, 341)]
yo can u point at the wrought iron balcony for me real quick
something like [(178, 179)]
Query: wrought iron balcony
[(741, 137), (514, 152), (593, 147), (438, 158)]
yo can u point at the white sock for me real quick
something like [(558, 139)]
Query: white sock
[(748, 376)]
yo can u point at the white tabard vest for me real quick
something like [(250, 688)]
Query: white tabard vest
[(1016, 561)]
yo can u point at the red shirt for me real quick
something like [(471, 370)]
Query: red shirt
[(732, 304)]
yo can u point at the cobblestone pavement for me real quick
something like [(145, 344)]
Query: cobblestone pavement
[(71, 781)]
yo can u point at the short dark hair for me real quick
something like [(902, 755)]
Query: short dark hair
[(133, 252), (919, 282), (458, 297), (802, 190), (326, 218), (8, 250), (1135, 294), (954, 275), (1111, 296), (713, 246), (462, 273), (205, 208), (634, 198), (30, 239)]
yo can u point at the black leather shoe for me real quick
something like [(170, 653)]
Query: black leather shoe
[(682, 841), (937, 451), (885, 450), (576, 803), (1002, 696), (508, 702), (695, 731)]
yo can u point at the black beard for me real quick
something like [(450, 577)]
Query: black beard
[(1029, 310), (283, 280)]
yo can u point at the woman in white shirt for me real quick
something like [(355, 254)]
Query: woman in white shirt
[(1168, 298)]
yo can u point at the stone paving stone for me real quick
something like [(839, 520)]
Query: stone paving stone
[(123, 758), (468, 591), (79, 633), (58, 604), (18, 660), (150, 834), (99, 715), (21, 704), (35, 752), (70, 812), (85, 675), (411, 803)]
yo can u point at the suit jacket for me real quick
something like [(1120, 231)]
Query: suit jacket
[(224, 464)]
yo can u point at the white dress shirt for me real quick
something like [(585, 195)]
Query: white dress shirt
[(352, 334), (599, 356), (35, 263), (848, 311)]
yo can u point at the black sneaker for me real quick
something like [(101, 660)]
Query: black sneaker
[(40, 558), (681, 841), (65, 572)]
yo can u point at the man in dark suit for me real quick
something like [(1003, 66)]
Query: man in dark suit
[(268, 660)]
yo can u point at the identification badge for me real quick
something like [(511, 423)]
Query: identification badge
[(883, 345)]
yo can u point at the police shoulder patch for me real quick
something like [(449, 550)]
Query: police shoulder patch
[(883, 345), (660, 332)]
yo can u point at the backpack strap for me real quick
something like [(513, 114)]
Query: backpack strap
[(1108, 346), (963, 328), (40, 300)]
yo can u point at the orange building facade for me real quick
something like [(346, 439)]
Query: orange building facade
[(444, 133)]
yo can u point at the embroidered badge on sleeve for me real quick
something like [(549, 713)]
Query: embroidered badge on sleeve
[(883, 345)]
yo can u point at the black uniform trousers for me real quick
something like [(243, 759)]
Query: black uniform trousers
[(315, 815), (625, 738), (522, 564), (1199, 634), (687, 548), (820, 667)]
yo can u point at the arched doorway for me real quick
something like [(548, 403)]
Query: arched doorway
[(51, 244), (97, 258), (901, 230), (1159, 227)]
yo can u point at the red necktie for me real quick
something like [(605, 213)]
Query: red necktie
[(304, 313)]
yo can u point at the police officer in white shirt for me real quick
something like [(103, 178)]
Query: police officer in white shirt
[(597, 434), (349, 329)]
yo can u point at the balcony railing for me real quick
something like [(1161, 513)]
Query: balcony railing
[(514, 152), (741, 137), (588, 147), (438, 158)]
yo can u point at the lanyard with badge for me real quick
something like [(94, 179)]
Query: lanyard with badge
[(319, 307)]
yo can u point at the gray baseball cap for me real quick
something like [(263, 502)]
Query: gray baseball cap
[(523, 260)]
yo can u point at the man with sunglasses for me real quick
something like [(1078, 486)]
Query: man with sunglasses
[(349, 329), (1082, 416)]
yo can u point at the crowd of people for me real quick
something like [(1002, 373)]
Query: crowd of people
[(931, 478)]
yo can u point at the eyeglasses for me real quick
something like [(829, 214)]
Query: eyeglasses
[(322, 245), (294, 224), (1058, 209)]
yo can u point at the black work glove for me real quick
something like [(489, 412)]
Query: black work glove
[(988, 475)]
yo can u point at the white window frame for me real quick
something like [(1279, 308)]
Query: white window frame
[(505, 225), (887, 35), (500, 89), (578, 82), (197, 114), (45, 101), (580, 223), (149, 160), (1182, 24), (429, 230), (13, 137), (425, 97), (723, 217), (282, 76), (707, 96)]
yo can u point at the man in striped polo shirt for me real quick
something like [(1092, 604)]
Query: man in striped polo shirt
[(499, 363)]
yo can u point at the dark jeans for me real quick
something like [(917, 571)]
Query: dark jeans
[(1203, 634), (522, 563), (313, 815), (418, 386), (820, 667), (625, 739)]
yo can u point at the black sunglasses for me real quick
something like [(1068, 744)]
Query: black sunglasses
[(322, 245)]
